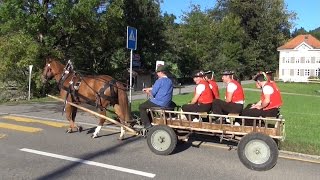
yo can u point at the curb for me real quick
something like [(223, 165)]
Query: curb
[(282, 154), (299, 156)]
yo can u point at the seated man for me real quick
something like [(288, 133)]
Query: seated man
[(270, 78), (270, 99), (209, 76), (203, 97), (161, 93), (234, 98)]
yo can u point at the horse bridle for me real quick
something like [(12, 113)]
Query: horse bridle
[(48, 69)]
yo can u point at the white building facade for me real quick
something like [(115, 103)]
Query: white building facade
[(299, 59)]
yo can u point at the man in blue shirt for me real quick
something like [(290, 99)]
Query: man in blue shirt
[(161, 95)]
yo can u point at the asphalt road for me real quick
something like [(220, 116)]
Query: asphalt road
[(47, 152)]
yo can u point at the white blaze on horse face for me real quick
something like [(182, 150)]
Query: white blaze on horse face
[(48, 65)]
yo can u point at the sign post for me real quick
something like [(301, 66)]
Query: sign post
[(30, 70), (132, 45)]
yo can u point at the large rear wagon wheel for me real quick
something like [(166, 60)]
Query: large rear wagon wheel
[(258, 151), (162, 140)]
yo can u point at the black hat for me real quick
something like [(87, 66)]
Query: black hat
[(198, 73), (261, 76), (209, 72), (269, 72), (227, 73), (161, 68)]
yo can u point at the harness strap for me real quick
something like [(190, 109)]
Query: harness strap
[(101, 94)]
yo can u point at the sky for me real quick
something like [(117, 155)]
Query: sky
[(308, 11)]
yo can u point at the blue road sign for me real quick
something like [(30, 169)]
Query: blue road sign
[(132, 38)]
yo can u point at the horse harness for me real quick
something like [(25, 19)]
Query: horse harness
[(74, 84)]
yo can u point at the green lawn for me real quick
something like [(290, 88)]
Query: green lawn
[(301, 112)]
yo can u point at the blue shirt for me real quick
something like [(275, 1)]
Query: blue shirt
[(162, 91)]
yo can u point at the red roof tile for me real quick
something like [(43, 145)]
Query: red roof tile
[(307, 38)]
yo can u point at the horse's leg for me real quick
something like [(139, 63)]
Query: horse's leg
[(101, 122), (71, 112), (118, 111)]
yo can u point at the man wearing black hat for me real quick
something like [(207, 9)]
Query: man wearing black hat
[(270, 99), (203, 97), (209, 76), (234, 98), (161, 95), (270, 78)]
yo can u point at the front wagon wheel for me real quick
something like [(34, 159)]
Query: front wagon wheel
[(258, 151), (162, 140)]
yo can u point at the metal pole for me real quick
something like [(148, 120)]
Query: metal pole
[(130, 92), (30, 70)]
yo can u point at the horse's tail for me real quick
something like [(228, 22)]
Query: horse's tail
[(123, 102)]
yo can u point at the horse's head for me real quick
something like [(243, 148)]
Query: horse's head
[(51, 69)]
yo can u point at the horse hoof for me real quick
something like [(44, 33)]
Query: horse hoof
[(80, 129), (94, 136)]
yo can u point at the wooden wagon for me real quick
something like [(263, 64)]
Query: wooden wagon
[(257, 142)]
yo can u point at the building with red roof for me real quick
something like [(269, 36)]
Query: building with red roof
[(299, 59)]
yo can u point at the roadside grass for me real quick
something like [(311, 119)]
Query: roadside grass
[(33, 100)]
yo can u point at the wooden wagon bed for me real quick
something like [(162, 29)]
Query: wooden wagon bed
[(273, 127)]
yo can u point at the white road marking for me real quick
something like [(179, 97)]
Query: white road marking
[(107, 166)]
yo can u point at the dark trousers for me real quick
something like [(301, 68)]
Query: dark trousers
[(259, 112), (224, 108), (196, 107), (145, 117)]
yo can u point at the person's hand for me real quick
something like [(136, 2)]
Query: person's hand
[(146, 90), (256, 106)]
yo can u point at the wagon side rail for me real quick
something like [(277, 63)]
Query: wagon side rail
[(274, 127)]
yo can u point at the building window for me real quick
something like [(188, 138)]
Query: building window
[(307, 72), (287, 60), (297, 60), (298, 72), (317, 72), (318, 60), (308, 60)]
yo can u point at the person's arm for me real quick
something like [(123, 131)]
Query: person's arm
[(195, 99), (199, 89), (266, 101), (231, 87), (267, 91)]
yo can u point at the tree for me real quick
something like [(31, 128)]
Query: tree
[(266, 25), (299, 31)]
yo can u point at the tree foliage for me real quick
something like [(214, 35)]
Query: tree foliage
[(240, 35)]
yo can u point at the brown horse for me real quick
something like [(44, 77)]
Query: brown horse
[(100, 91)]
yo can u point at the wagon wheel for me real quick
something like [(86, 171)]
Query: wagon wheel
[(258, 151), (162, 140)]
